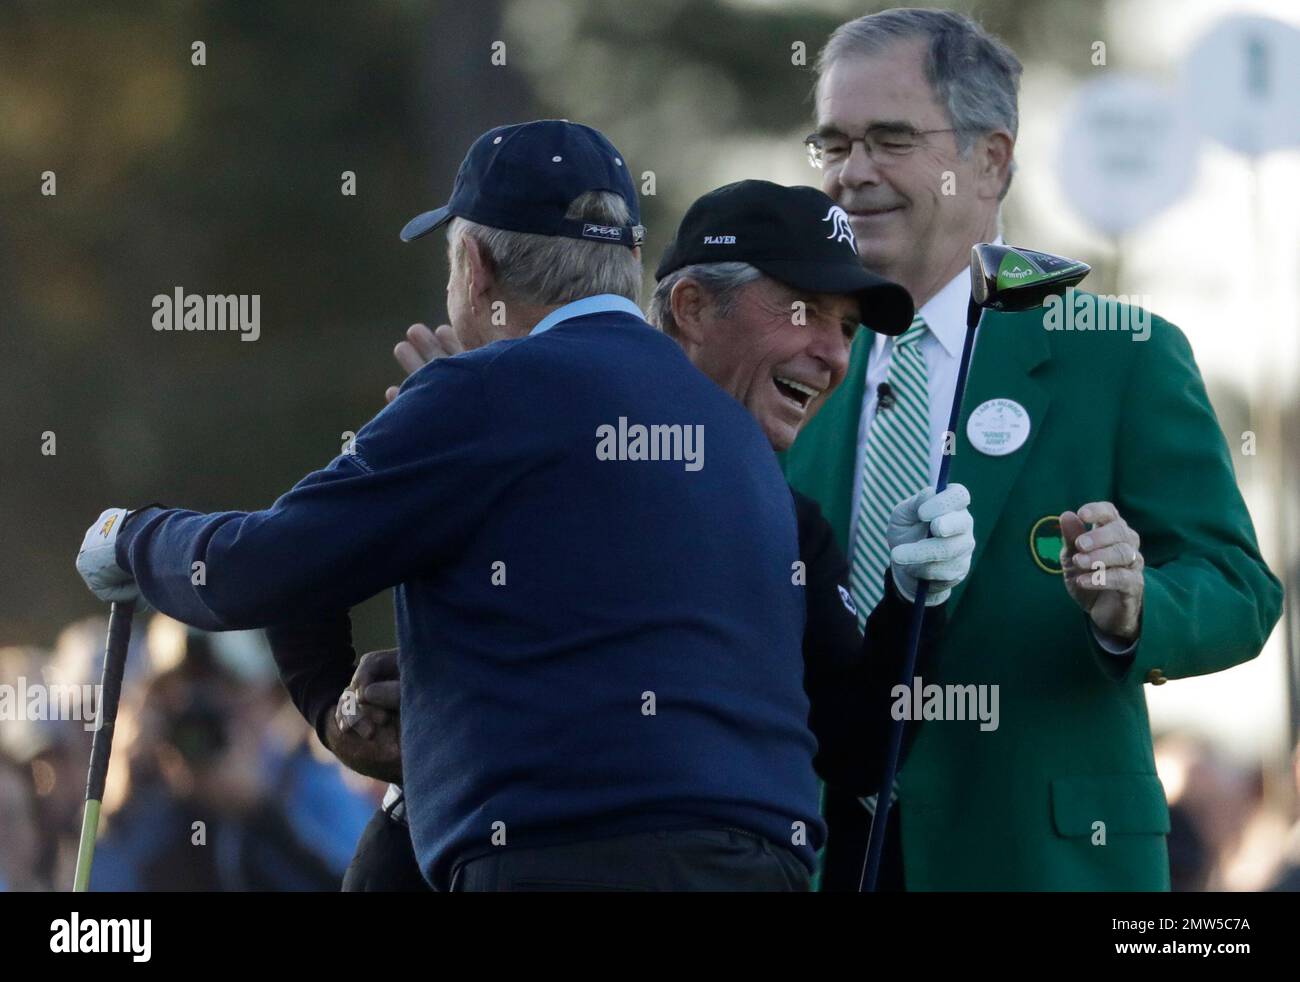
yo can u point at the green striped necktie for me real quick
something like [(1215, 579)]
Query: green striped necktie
[(895, 466)]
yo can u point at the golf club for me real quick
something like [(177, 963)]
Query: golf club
[(110, 691), (1005, 278)]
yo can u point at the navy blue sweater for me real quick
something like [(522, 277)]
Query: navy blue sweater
[(640, 667)]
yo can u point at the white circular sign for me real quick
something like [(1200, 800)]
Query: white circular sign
[(998, 427), (1128, 152), (1242, 81)]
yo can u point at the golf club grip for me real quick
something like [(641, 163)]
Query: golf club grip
[(110, 693)]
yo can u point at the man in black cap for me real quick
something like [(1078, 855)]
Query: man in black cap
[(787, 256), (599, 632), (764, 291), (745, 256)]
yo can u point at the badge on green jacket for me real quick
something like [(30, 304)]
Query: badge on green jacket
[(1046, 543)]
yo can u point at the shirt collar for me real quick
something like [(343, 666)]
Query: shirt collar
[(599, 304), (945, 312)]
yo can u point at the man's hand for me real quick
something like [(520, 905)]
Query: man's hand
[(931, 537), (97, 560), (365, 730), (421, 347), (1103, 568)]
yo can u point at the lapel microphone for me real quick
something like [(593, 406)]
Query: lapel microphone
[(884, 396)]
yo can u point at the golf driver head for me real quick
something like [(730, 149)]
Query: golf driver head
[(1006, 277)]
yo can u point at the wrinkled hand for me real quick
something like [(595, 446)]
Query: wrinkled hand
[(97, 561), (1103, 568), (931, 537), (365, 730), (421, 347)]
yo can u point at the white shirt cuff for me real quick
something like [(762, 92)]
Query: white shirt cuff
[(1113, 645)]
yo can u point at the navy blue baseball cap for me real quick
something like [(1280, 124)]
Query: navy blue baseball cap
[(523, 177)]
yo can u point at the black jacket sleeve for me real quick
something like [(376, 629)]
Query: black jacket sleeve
[(315, 658), (849, 677)]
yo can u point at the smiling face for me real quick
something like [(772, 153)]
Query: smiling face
[(907, 228), (779, 369)]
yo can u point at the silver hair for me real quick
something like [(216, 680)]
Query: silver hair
[(721, 281), (975, 76), (550, 269)]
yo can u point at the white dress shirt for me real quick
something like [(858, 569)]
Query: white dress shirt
[(945, 318)]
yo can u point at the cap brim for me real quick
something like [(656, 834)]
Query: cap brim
[(426, 223), (885, 307)]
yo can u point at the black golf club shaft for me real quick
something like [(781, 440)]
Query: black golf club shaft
[(876, 841), (101, 748)]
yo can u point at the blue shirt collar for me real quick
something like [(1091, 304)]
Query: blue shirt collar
[(599, 304)]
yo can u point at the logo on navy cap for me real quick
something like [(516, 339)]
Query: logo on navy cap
[(610, 232)]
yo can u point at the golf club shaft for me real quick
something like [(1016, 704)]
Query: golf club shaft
[(879, 821), (973, 315), (101, 748)]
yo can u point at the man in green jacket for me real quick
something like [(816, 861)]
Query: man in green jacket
[(1091, 451)]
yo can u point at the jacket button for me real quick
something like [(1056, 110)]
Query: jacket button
[(1156, 677)]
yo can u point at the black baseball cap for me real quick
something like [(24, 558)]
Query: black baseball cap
[(796, 235), (523, 177)]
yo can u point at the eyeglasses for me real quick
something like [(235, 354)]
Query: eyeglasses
[(882, 143)]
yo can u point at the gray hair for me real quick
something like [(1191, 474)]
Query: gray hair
[(974, 75), (721, 281), (549, 270)]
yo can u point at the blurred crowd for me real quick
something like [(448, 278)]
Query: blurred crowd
[(1229, 826), (216, 782)]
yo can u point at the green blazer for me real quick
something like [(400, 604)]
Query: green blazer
[(1112, 418)]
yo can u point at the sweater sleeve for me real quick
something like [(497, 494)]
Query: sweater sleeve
[(315, 659), (420, 473), (1210, 601)]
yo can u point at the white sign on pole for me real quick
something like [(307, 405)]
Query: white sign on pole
[(1128, 151), (1242, 82)]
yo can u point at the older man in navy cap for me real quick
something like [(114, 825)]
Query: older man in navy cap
[(601, 674)]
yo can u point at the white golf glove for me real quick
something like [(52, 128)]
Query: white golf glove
[(931, 537), (97, 560)]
